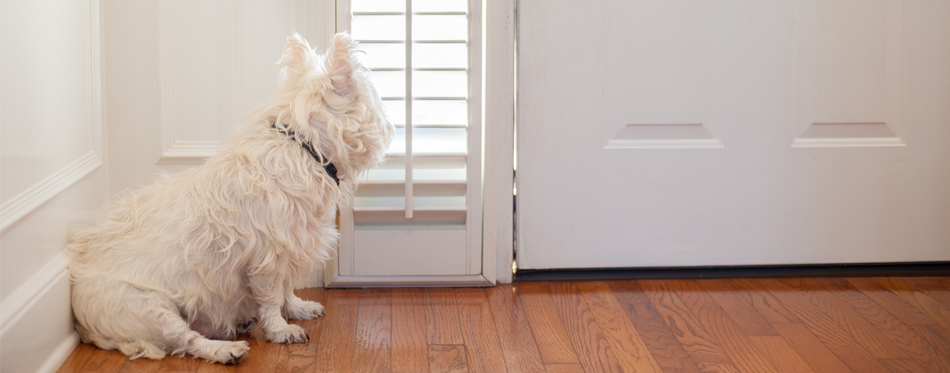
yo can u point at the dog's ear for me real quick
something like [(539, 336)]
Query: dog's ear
[(341, 63), (298, 58)]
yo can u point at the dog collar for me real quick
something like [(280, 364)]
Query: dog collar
[(328, 166)]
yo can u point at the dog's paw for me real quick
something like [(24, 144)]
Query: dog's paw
[(305, 310), (222, 352), (246, 326), (289, 334)]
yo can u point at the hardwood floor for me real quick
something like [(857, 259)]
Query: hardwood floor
[(744, 325)]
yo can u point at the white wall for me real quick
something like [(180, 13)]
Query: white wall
[(51, 174)]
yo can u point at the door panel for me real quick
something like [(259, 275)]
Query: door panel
[(690, 133)]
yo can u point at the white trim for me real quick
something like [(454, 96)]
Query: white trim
[(848, 142), (95, 76), (410, 201), (664, 144), (166, 126), (338, 263), (37, 314), (478, 259), (13, 308), (60, 354), (499, 140), (189, 152), (28, 200)]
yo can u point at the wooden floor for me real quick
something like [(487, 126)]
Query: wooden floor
[(765, 325)]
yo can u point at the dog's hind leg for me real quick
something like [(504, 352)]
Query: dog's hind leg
[(268, 291), (182, 339)]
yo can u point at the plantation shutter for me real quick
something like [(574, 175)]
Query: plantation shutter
[(416, 218)]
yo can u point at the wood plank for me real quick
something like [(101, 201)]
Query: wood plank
[(564, 368), (76, 359), (553, 342), (179, 364), (593, 349), (299, 357), (905, 337), (935, 287), (890, 301), (763, 301), (780, 354), (872, 339), (923, 302), (810, 349), (336, 345), (702, 348), (905, 366), (624, 340), (442, 317), (410, 352), (939, 338), (374, 331), (146, 365), (514, 334), (206, 367), (263, 357), (826, 330), (482, 348), (730, 338), (666, 350), (447, 359), (726, 294), (104, 361)]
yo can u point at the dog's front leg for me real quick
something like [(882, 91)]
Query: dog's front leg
[(268, 291), (299, 309)]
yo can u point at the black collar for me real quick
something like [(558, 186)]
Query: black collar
[(328, 166)]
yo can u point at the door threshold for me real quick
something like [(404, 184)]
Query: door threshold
[(908, 269)]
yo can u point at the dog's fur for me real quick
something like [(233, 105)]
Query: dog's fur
[(200, 255)]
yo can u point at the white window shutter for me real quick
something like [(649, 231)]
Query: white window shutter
[(416, 219)]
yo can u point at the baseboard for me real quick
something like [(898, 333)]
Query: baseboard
[(60, 354), (36, 322), (916, 269)]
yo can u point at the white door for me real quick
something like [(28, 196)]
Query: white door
[(692, 133)]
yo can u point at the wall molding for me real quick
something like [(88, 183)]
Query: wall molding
[(314, 20), (27, 201), (174, 148), (33, 197), (27, 295), (189, 152)]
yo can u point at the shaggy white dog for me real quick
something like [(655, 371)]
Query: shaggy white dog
[(202, 254)]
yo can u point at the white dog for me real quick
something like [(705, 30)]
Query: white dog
[(202, 254)]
